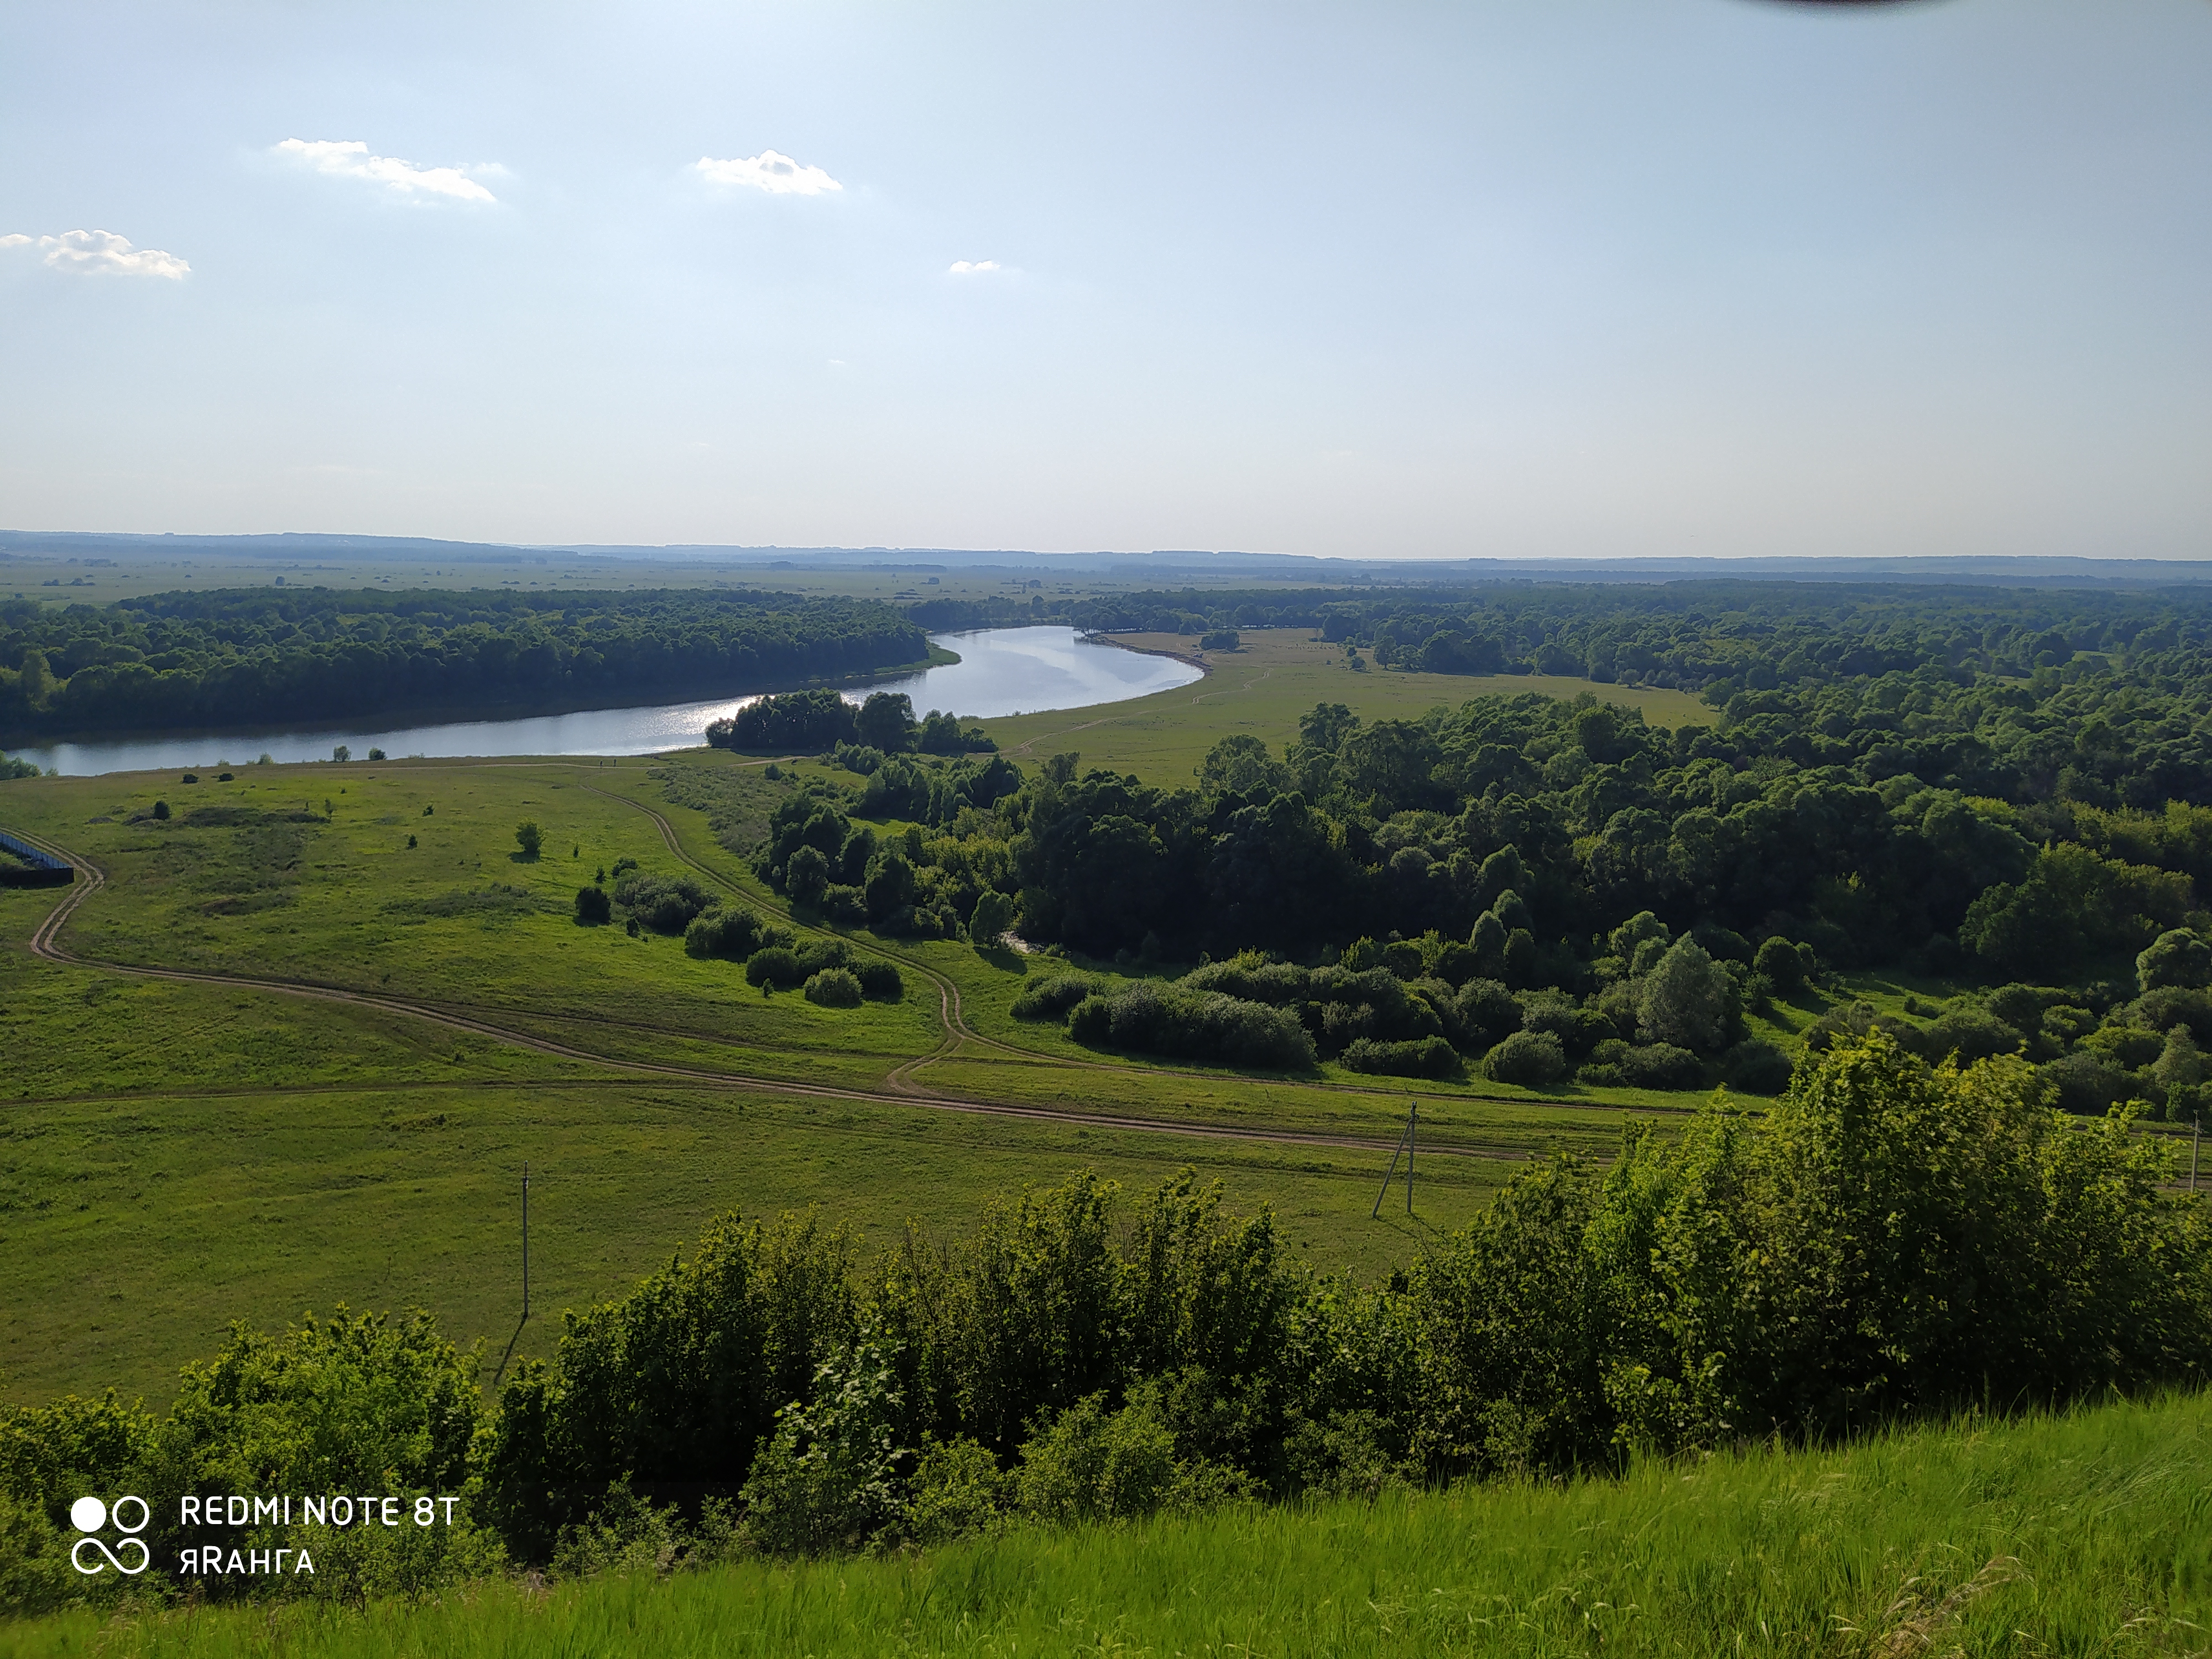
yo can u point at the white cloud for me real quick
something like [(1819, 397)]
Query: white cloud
[(779, 175), (345, 159), (971, 267), (100, 253)]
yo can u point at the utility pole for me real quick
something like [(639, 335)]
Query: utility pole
[(1405, 1145), (526, 1241)]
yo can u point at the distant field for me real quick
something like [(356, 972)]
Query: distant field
[(174, 1155), (1262, 687)]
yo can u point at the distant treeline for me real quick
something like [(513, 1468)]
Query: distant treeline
[(1888, 1240), (244, 656)]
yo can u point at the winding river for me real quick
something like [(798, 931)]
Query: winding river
[(1006, 670)]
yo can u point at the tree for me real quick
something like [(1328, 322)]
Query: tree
[(341, 753), (886, 721), (529, 837), (1778, 960), (994, 914), (594, 907), (1688, 1000), (2176, 957)]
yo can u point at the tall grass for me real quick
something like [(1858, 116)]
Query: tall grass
[(2088, 1533)]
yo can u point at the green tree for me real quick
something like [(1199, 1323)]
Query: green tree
[(993, 916), (2176, 957), (529, 837), (1687, 1000)]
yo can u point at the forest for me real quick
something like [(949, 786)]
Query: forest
[(2001, 791), (228, 657)]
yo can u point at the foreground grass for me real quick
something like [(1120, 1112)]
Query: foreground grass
[(2083, 1534)]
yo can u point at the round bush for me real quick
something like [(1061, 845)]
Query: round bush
[(833, 988), (878, 978), (593, 907), (1661, 1065), (1532, 1058), (778, 966), (1051, 996), (1754, 1067)]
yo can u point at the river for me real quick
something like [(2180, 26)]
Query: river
[(1004, 671)]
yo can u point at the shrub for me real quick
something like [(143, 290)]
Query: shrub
[(1756, 1068), (1487, 1010), (593, 907), (529, 837), (663, 903), (2175, 957), (1051, 996), (957, 1490), (1251, 977), (733, 935), (777, 965), (1781, 963), (1221, 639), (1532, 1058), (2084, 1084), (1970, 1033), (1155, 1019), (161, 809), (1092, 1464), (1430, 1057), (827, 1479), (878, 978), (1661, 1065), (833, 988)]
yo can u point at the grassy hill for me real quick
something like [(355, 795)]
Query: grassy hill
[(2080, 1534)]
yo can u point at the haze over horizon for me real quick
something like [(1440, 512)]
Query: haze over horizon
[(1576, 279)]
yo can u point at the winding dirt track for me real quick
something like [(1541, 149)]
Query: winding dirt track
[(45, 942)]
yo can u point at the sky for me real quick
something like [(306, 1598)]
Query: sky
[(1504, 278)]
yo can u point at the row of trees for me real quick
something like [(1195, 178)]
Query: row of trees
[(235, 657), (1891, 1239), (808, 722)]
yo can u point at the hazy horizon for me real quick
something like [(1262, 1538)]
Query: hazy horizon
[(1578, 280)]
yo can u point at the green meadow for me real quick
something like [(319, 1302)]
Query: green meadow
[(1262, 687)]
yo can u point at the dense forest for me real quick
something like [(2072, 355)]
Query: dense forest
[(1891, 1240), (236, 657), (1985, 789)]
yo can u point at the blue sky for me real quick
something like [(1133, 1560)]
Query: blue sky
[(1502, 277)]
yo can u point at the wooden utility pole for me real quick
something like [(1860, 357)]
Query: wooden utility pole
[(1406, 1146), (526, 1241)]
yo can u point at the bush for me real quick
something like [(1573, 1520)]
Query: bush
[(1221, 639), (162, 810), (593, 907), (2176, 957), (1970, 1033), (1661, 1065), (731, 935), (878, 978), (994, 914), (1154, 1019), (957, 1490), (2083, 1083), (1756, 1068), (1095, 1465), (1430, 1057), (1687, 1001), (1051, 996), (663, 903), (777, 965), (529, 837), (1533, 1059), (1781, 963), (833, 988), (1487, 1010), (827, 1479)]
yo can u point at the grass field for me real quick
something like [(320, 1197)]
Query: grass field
[(178, 1153), (1262, 689), (2081, 1534)]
